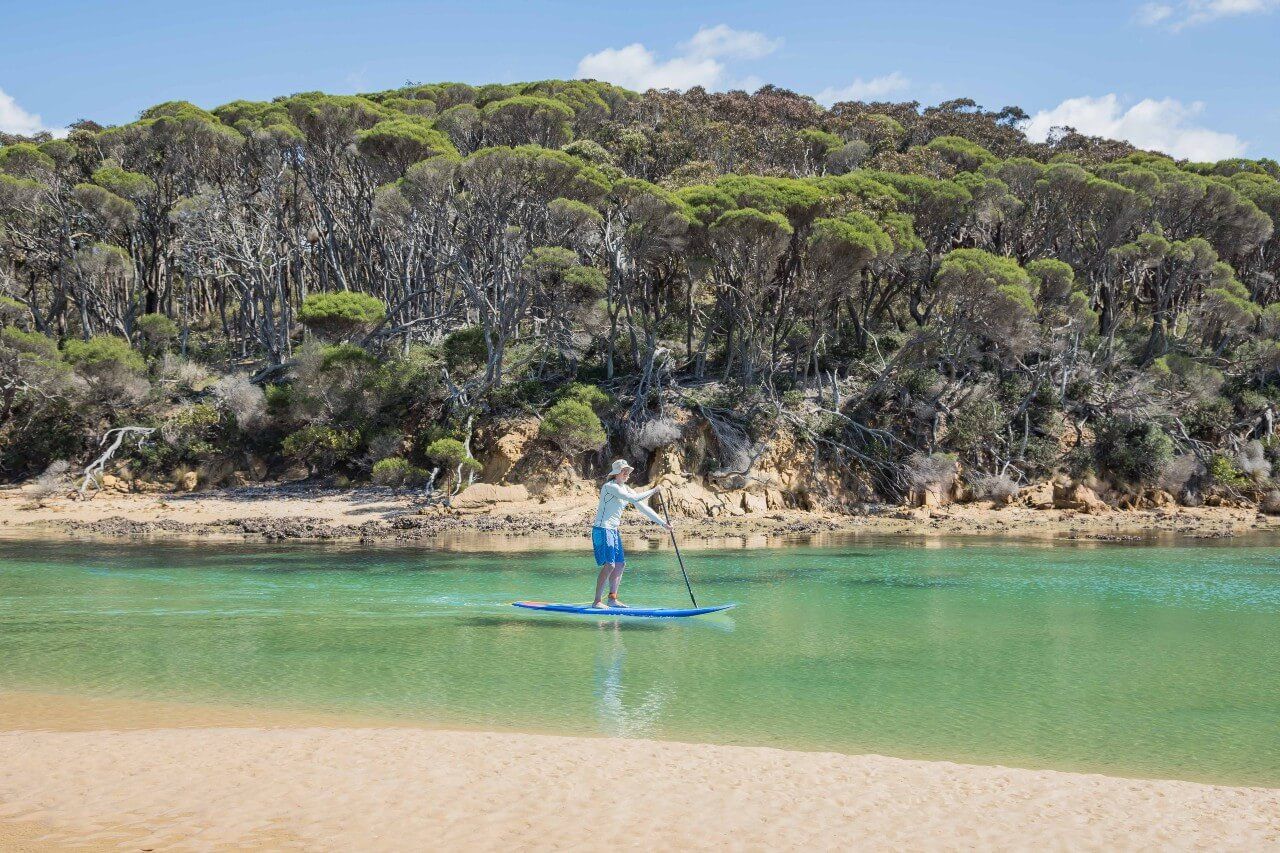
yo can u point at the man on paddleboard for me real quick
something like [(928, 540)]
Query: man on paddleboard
[(605, 539)]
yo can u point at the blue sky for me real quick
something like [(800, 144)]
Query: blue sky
[(1199, 78)]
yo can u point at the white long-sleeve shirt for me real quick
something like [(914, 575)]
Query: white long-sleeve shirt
[(614, 498)]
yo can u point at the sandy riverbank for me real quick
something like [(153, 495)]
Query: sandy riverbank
[(374, 515), (112, 774)]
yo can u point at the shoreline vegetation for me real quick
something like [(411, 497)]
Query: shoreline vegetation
[(765, 304), (95, 773), (506, 518)]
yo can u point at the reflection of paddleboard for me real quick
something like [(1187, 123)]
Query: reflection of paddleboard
[(619, 611)]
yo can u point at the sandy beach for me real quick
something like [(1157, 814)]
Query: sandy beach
[(100, 774), (383, 516)]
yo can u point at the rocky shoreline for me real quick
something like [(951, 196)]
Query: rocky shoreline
[(381, 516)]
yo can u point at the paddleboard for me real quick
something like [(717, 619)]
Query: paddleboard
[(588, 610)]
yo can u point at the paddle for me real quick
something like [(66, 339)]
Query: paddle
[(666, 499)]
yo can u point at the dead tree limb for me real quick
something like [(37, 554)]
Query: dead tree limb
[(96, 467)]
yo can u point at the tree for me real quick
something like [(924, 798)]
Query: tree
[(981, 300), (338, 316)]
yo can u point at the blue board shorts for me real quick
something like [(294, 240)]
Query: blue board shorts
[(607, 543)]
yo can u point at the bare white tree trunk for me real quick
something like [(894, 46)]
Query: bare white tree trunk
[(94, 468)]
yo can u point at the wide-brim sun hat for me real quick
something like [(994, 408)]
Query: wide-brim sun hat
[(620, 465)]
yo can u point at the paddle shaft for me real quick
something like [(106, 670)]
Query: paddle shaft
[(665, 500)]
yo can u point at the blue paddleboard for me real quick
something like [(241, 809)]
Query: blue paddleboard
[(619, 611)]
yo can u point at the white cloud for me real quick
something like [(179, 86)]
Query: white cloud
[(14, 119), (1150, 14), (1187, 13), (1163, 125), (724, 41), (699, 62), (876, 88)]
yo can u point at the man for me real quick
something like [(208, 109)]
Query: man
[(605, 539)]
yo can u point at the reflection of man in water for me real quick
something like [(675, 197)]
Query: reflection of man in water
[(615, 718)]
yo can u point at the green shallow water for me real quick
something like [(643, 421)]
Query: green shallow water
[(1145, 661)]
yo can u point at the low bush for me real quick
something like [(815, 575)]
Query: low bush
[(320, 447), (155, 332), (1224, 471), (597, 398), (935, 471), (465, 349), (244, 401), (998, 487), (1252, 461), (1135, 452), (103, 352), (573, 427), (342, 314), (398, 472)]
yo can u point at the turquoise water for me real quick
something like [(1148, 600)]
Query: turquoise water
[(1139, 660)]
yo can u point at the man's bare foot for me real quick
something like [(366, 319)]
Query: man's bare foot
[(596, 604), (613, 602)]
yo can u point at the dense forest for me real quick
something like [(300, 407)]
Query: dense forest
[(355, 285)]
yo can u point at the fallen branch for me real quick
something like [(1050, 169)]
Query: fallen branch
[(96, 467)]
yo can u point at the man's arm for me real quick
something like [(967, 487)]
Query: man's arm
[(642, 496), (638, 500)]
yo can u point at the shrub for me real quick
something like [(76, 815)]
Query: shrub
[(342, 314), (245, 401), (155, 331), (1224, 472), (384, 445), (999, 487), (337, 384), (398, 472), (597, 398), (279, 399), (1210, 420), (32, 344), (190, 423), (190, 376), (321, 447), (1133, 451), (1252, 461), (345, 355), (573, 427), (465, 348), (656, 433), (975, 421), (935, 471), (51, 481), (54, 432), (518, 394), (103, 352), (12, 311)]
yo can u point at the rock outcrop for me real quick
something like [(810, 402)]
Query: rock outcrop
[(1079, 497), (482, 495)]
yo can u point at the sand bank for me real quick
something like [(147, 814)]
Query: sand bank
[(170, 777)]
